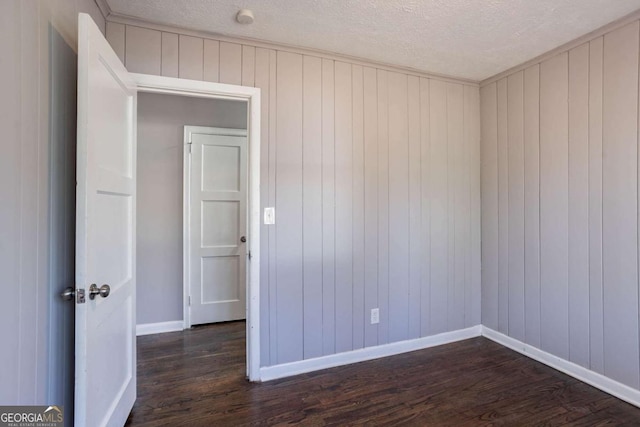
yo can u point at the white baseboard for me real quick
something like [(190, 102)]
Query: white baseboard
[(267, 373), (581, 373), (160, 327), (294, 368)]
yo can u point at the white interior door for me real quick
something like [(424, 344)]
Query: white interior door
[(217, 224), (105, 377)]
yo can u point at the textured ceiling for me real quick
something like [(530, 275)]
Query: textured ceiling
[(472, 39)]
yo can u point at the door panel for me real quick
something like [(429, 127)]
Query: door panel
[(215, 212), (225, 177), (220, 279), (105, 380), (217, 222)]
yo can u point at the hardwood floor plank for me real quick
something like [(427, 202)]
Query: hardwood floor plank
[(197, 378)]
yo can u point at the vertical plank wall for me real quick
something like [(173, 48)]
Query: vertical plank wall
[(375, 177), (37, 189), (560, 205)]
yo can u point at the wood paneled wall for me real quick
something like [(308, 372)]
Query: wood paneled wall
[(37, 193), (560, 205), (375, 177)]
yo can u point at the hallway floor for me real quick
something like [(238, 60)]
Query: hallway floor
[(197, 378)]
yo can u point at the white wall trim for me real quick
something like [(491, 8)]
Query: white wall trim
[(158, 328), (186, 251), (303, 366), (581, 373), (267, 373)]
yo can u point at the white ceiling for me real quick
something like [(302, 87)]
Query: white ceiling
[(472, 39)]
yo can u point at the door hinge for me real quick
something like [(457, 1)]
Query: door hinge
[(189, 299), (190, 147), (249, 255)]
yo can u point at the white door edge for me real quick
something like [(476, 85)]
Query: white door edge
[(251, 95)]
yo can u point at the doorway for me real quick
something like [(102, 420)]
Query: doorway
[(164, 162), (209, 105)]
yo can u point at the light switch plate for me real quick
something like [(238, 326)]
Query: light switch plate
[(269, 216)]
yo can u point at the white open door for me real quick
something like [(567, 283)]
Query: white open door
[(105, 373)]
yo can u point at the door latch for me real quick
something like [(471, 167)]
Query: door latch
[(69, 293)]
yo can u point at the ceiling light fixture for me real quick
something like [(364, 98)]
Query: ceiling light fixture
[(245, 17)]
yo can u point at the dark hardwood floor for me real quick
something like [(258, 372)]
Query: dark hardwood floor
[(196, 378)]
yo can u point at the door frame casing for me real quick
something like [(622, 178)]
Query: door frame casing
[(250, 95), (186, 215)]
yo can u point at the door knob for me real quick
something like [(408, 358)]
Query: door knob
[(243, 239), (103, 291), (68, 294)]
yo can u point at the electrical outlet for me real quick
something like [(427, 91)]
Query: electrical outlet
[(375, 316)]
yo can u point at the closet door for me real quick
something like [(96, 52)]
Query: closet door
[(217, 207)]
